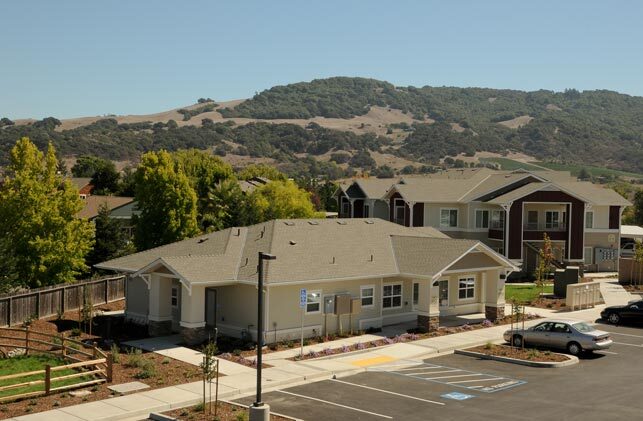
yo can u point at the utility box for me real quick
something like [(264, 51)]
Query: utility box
[(342, 304), (564, 277), (329, 304), (356, 305)]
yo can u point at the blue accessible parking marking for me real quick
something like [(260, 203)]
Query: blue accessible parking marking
[(458, 396), (471, 380)]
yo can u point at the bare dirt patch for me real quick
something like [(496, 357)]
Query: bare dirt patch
[(525, 354), (516, 123), (225, 412)]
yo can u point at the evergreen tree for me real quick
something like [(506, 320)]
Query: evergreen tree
[(111, 239), (166, 201), (44, 240)]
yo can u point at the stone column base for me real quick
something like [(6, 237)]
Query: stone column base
[(430, 323), (163, 328), (194, 335), (494, 313)]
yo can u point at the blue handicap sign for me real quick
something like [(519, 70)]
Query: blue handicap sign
[(458, 396), (302, 298)]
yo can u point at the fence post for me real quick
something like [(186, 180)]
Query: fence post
[(9, 312), (47, 379), (95, 349), (62, 300), (110, 367), (106, 290), (27, 340), (38, 305)]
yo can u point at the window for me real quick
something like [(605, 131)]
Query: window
[(498, 219), (532, 220), (313, 302), (399, 209), (552, 219), (448, 217), (367, 294), (367, 211), (416, 293), (482, 218), (175, 297), (589, 219), (392, 296), (466, 288)]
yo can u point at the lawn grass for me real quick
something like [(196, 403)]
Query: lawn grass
[(525, 293), (23, 364)]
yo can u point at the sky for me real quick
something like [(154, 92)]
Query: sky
[(80, 58)]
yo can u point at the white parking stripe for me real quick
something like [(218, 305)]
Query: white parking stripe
[(419, 368), (625, 334), (450, 377), (431, 373), (607, 352), (335, 404), (387, 391), (623, 343), (477, 380)]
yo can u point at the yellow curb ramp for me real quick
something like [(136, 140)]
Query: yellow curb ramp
[(373, 361)]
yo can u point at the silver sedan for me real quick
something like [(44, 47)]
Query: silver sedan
[(571, 335)]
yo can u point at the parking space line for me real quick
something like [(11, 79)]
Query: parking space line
[(626, 334), (430, 373), (607, 352), (450, 377), (477, 380), (419, 368), (388, 391), (624, 343), (335, 404)]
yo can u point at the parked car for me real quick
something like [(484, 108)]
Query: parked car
[(627, 250), (633, 312), (571, 335)]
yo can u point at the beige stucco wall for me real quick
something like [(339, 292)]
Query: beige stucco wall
[(489, 290), (137, 300), (236, 308), (601, 216), (432, 215), (601, 239)]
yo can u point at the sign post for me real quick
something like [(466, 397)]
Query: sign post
[(302, 304)]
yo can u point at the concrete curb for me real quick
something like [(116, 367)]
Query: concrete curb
[(571, 360)]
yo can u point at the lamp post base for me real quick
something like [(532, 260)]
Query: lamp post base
[(260, 413)]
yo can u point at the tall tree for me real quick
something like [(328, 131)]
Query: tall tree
[(225, 207), (261, 170), (279, 199), (638, 208), (111, 239), (44, 239), (166, 201), (105, 179)]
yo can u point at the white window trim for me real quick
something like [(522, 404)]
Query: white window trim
[(396, 207), (457, 217), (361, 295), (321, 301), (174, 288), (558, 221), (467, 277), (592, 226), (475, 219), (391, 296)]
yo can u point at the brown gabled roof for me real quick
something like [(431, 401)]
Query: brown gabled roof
[(93, 204)]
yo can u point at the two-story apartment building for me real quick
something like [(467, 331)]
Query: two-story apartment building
[(510, 211)]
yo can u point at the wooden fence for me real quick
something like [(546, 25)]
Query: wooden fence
[(15, 309), (630, 271), (89, 363)]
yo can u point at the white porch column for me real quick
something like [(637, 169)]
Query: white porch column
[(507, 208), (411, 204), (428, 310), (352, 202), (193, 314), (160, 306), (493, 290)]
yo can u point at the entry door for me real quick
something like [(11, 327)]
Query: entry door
[(444, 294), (211, 307), (176, 305)]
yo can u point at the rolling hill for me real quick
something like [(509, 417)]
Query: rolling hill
[(367, 119)]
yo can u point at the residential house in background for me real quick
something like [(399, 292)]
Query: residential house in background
[(84, 186), (510, 211), (356, 273), (122, 208)]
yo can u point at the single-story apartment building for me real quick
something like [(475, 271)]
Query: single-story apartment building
[(357, 274)]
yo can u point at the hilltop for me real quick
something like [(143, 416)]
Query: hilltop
[(365, 123)]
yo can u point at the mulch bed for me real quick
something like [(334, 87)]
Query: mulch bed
[(165, 372), (549, 303), (527, 354), (225, 412), (633, 288)]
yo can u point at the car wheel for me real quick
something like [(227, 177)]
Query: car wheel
[(574, 348), (517, 340), (614, 318)]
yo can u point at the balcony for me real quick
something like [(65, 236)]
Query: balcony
[(546, 226)]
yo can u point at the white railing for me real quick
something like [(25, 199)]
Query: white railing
[(547, 226)]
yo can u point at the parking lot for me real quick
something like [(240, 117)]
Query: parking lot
[(604, 385)]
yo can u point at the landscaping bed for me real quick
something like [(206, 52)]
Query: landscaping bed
[(225, 412), (534, 296), (526, 354), (633, 288)]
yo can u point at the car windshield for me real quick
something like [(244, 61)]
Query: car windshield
[(583, 327)]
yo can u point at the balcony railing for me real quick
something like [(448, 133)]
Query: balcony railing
[(497, 225), (546, 226)]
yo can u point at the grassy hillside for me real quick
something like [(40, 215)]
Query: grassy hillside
[(574, 169)]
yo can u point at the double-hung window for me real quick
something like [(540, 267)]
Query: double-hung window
[(482, 218), (466, 288), (175, 297), (392, 296), (367, 294), (552, 219), (589, 219), (313, 302), (448, 218)]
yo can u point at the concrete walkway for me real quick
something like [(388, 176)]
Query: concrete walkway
[(287, 373)]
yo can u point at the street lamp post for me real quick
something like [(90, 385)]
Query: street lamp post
[(260, 411)]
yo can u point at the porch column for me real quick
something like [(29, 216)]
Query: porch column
[(352, 202), (428, 310), (507, 208), (193, 314), (160, 306), (411, 205), (494, 294)]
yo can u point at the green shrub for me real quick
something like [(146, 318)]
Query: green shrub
[(242, 416), (116, 353)]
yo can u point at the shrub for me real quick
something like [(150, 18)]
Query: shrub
[(165, 361), (489, 346), (242, 416), (116, 353), (346, 348), (360, 346), (487, 323), (75, 332), (135, 358)]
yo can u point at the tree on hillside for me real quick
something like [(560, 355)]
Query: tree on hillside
[(166, 201), (111, 240), (584, 174), (638, 208), (105, 179), (261, 170), (43, 239), (87, 165), (277, 200)]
